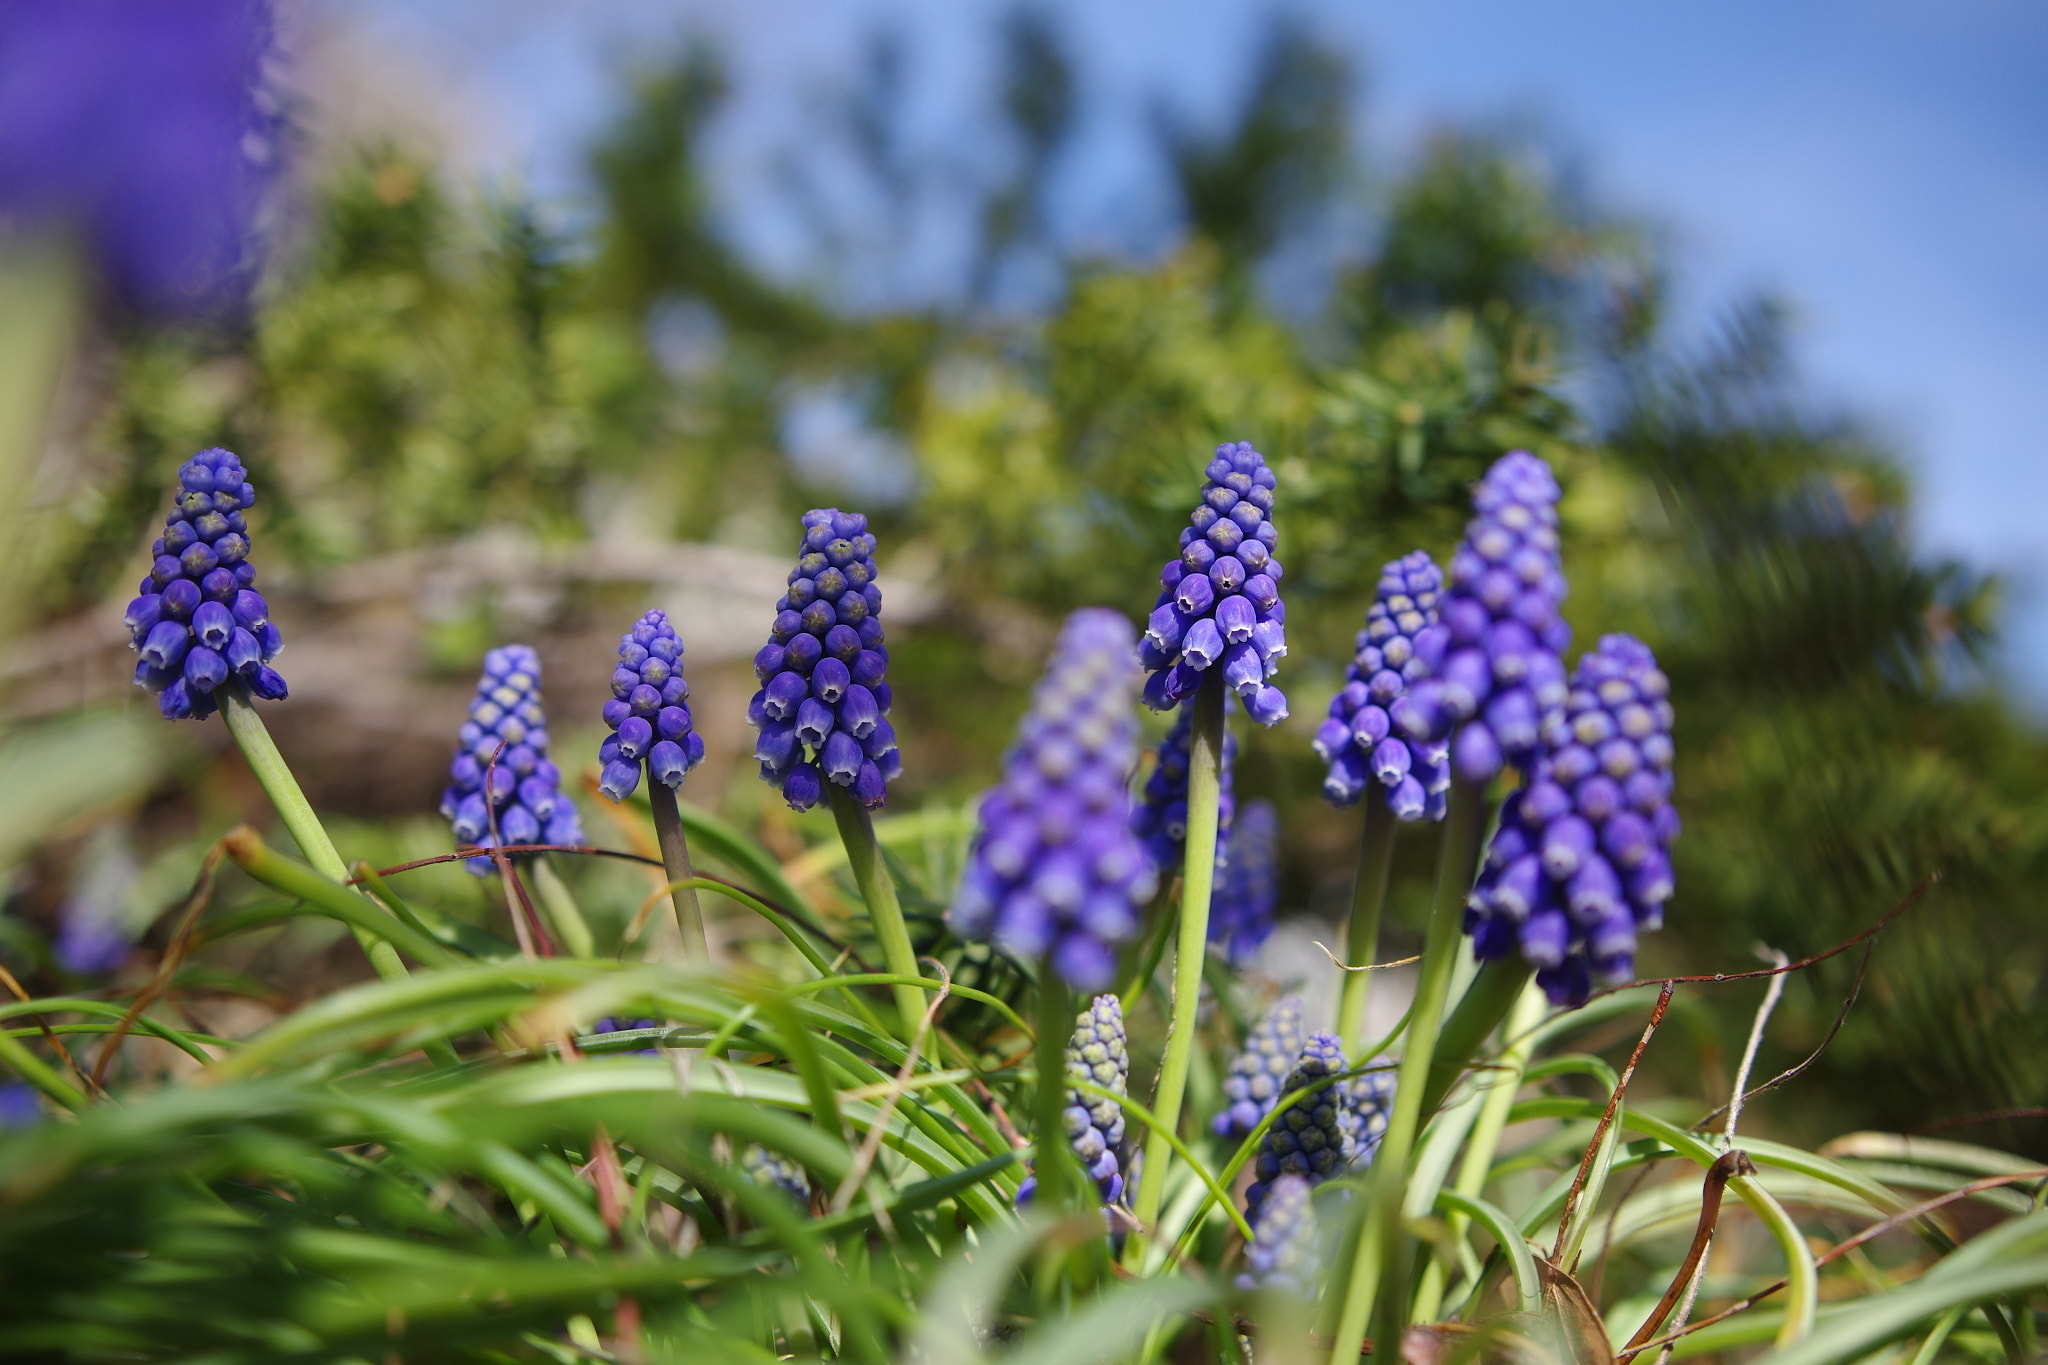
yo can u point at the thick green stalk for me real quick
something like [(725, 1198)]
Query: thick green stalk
[(1499, 985), (1054, 1166), (1368, 898), (1459, 856), (686, 930), (563, 912), (885, 912), (259, 750), (1205, 786)]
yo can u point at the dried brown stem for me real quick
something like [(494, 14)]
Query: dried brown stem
[(1571, 1199), (1726, 1168), (167, 966)]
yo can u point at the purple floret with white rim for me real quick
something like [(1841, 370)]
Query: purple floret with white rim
[(1055, 868), (1248, 888), (1495, 673), (1581, 862), (200, 623), (823, 707), (1219, 604), (1311, 1138), (1161, 817), (1365, 750), (649, 712), (1097, 1053), (506, 720)]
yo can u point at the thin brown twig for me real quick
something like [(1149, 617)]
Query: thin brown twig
[(469, 851), (1989, 1116), (871, 1145), (1725, 1168), (50, 1034), (1571, 1199), (167, 966), (1855, 990), (1877, 1229)]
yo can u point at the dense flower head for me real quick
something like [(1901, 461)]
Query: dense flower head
[(200, 623), (1099, 1054), (773, 1171), (506, 720), (1368, 1101), (1581, 861), (1055, 868), (1248, 888), (1256, 1074), (1284, 1253), (1219, 604), (1310, 1139), (1161, 817), (1364, 748), (649, 711), (823, 707), (1495, 676)]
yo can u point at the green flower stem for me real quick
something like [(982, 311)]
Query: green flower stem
[(39, 1074), (688, 923), (1368, 898), (1055, 1166), (1205, 786), (563, 912), (1499, 985), (857, 832), (259, 750), (1458, 858)]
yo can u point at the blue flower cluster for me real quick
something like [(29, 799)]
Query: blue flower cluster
[(1368, 1101), (1248, 889), (1495, 676), (823, 706), (1219, 602), (1161, 818), (1359, 739), (1581, 861), (1055, 867), (772, 1171), (649, 712), (1284, 1253), (200, 622), (1310, 1139), (1097, 1053), (506, 721), (1257, 1073)]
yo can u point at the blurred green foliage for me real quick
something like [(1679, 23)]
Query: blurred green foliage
[(425, 362)]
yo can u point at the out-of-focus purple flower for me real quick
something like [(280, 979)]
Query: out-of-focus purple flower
[(1581, 861), (19, 1106), (649, 713), (1284, 1253), (1256, 1074), (1055, 867), (1219, 605), (1310, 1139), (823, 706), (1495, 676), (93, 934), (610, 1024), (1097, 1053), (1161, 818), (145, 128), (506, 719), (1366, 751), (773, 1171), (1248, 889), (1368, 1101), (200, 621)]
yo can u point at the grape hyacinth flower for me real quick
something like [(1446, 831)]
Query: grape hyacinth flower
[(1161, 819), (1496, 678), (1099, 1054), (649, 713), (1581, 861), (1310, 1139), (773, 1171), (1368, 1100), (1283, 1253), (1248, 890), (1359, 740), (1258, 1072), (200, 623), (1055, 868), (613, 1024), (823, 707), (506, 719), (1219, 604)]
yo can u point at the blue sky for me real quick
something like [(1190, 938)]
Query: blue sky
[(1882, 165)]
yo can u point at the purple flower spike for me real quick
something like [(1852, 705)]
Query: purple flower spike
[(1221, 593), (1284, 1252), (1362, 740), (823, 700), (197, 625), (1494, 674), (506, 720), (1055, 867), (1581, 861), (1161, 819), (1097, 1053), (1248, 891), (1257, 1073), (1312, 1138)]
